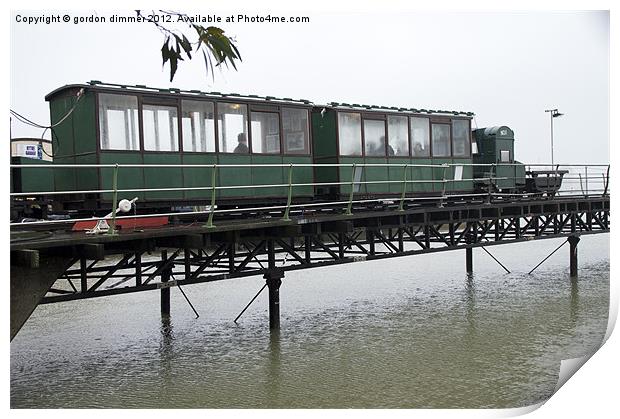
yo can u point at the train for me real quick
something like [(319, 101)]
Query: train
[(333, 148)]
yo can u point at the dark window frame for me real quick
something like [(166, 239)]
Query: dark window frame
[(215, 139), (430, 137), (387, 140), (380, 118), (247, 125), (308, 130), (361, 155), (155, 103), (468, 140), (449, 125), (175, 100), (99, 123), (251, 135)]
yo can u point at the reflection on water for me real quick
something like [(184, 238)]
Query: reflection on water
[(470, 311), (408, 332), (166, 352), (273, 369), (574, 299)]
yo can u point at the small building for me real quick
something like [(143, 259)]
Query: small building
[(32, 148)]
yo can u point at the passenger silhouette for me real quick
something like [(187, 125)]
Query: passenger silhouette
[(242, 147)]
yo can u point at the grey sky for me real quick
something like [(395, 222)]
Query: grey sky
[(507, 67)]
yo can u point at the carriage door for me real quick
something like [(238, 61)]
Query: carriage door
[(160, 140), (375, 152)]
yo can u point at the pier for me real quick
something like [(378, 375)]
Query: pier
[(51, 265)]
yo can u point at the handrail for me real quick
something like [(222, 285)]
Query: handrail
[(252, 209), (259, 186), (222, 166), (595, 175), (252, 165)]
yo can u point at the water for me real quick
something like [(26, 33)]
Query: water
[(407, 332)]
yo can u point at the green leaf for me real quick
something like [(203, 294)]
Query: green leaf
[(173, 67), (215, 31), (216, 47), (208, 63), (222, 50), (165, 52), (236, 51), (187, 46)]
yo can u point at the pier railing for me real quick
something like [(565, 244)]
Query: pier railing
[(582, 180)]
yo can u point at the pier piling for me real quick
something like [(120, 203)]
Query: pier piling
[(572, 241), (273, 277), (274, 280), (469, 260), (165, 291)]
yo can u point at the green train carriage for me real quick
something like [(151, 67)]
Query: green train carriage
[(99, 123), (389, 139), (112, 124)]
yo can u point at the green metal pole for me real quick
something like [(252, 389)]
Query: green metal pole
[(350, 206), (606, 179), (443, 185), (444, 181), (493, 171), (212, 208), (290, 193), (402, 197), (112, 229)]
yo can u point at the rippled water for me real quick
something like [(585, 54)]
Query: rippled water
[(407, 332)]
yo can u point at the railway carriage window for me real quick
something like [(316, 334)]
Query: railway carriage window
[(295, 129), (504, 156), (350, 134), (441, 140), (374, 137), (118, 122), (160, 127), (232, 124), (398, 136), (460, 138), (198, 126), (265, 132), (420, 137)]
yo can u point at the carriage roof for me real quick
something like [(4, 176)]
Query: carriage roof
[(198, 94)]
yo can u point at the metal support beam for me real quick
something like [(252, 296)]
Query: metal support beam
[(274, 280), (26, 258), (469, 260), (495, 259), (307, 249), (370, 236), (138, 261), (83, 275), (249, 304), (469, 237), (93, 251), (165, 292), (232, 247), (332, 241), (548, 256), (572, 241)]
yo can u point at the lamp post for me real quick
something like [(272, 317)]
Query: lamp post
[(553, 114)]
